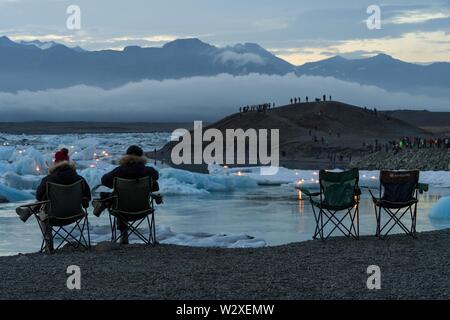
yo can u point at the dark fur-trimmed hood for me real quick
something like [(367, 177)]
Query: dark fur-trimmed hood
[(60, 165), (132, 159)]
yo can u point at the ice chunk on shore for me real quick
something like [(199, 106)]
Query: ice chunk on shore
[(441, 209), (165, 235)]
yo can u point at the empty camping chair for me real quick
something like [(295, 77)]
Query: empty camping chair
[(133, 204), (65, 213), (398, 199), (339, 193)]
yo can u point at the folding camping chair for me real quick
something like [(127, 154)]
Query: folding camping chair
[(398, 197), (339, 191), (65, 213), (133, 204)]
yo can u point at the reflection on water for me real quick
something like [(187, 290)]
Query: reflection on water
[(277, 214)]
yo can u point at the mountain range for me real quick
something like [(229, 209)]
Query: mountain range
[(36, 65)]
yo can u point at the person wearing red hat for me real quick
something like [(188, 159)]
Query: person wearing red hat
[(61, 172)]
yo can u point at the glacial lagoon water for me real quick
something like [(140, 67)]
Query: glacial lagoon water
[(227, 208)]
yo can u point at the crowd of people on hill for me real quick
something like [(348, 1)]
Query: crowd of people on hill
[(408, 143), (419, 143), (297, 100), (268, 106), (257, 107)]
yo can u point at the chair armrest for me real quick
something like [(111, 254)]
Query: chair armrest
[(31, 205), (104, 200), (422, 187), (370, 191), (308, 192)]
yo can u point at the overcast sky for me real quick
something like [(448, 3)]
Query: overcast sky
[(296, 30)]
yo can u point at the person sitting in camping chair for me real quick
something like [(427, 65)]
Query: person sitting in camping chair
[(62, 172), (133, 167)]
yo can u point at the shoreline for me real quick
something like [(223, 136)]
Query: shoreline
[(44, 127), (336, 269)]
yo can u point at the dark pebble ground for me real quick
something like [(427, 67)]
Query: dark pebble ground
[(336, 269)]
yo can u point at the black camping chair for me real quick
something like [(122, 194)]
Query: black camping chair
[(397, 197), (65, 213), (133, 204), (339, 192)]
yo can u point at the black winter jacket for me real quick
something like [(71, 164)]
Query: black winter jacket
[(62, 173), (131, 167)]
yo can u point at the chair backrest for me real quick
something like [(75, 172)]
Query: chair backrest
[(399, 186), (133, 196), (66, 201), (339, 188)]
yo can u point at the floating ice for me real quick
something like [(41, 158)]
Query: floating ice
[(6, 152), (14, 195), (31, 162), (165, 235), (26, 182), (441, 209), (24, 158), (175, 181)]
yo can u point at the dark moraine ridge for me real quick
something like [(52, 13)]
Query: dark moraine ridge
[(336, 269), (338, 128)]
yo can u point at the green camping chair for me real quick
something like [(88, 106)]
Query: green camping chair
[(66, 213), (398, 193), (133, 204), (339, 192)]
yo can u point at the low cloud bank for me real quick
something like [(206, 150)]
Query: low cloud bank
[(197, 98)]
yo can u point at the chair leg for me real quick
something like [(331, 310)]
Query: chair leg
[(357, 220), (396, 220), (43, 234), (379, 224), (338, 223), (317, 221), (414, 222), (321, 224), (88, 232), (132, 228)]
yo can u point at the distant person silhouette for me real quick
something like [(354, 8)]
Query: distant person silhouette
[(307, 99)]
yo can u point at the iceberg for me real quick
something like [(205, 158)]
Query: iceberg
[(26, 182), (14, 195), (441, 209), (6, 152), (31, 162), (175, 181)]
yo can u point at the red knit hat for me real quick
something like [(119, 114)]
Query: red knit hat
[(62, 155)]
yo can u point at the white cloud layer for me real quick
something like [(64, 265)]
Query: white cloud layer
[(198, 98), (240, 59)]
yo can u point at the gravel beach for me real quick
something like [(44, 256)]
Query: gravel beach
[(336, 269)]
